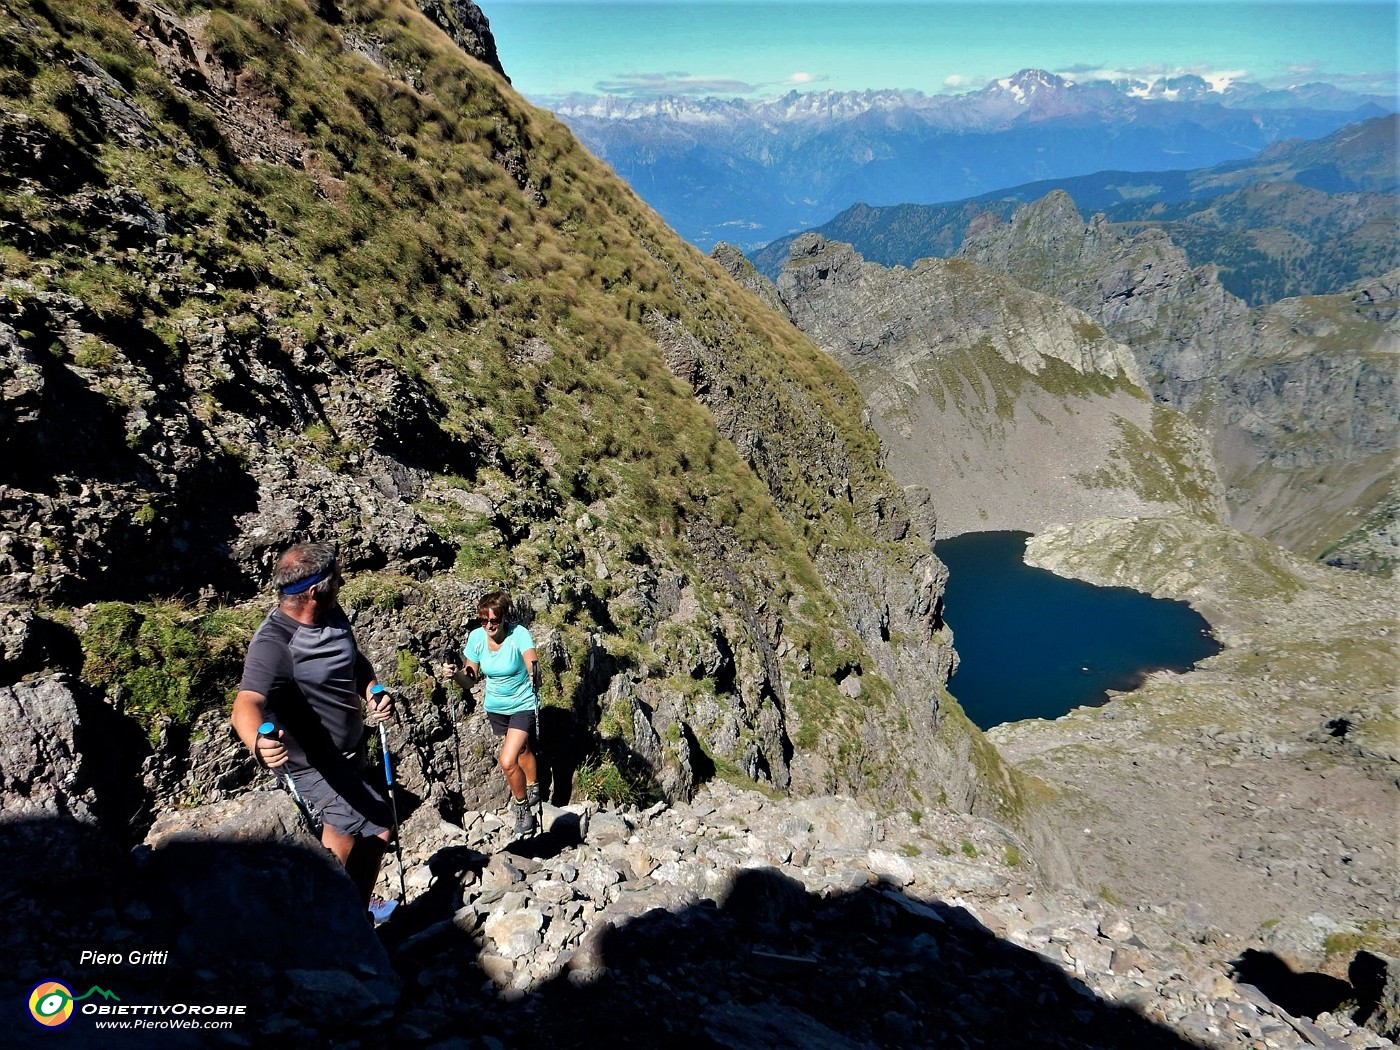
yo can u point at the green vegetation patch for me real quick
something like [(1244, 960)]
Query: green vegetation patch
[(1161, 464), (164, 663)]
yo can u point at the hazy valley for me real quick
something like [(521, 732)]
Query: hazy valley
[(750, 172)]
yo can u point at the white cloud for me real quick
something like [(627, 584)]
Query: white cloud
[(651, 85), (798, 79), (957, 80), (1219, 79)]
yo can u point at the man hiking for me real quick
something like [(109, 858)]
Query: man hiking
[(305, 675)]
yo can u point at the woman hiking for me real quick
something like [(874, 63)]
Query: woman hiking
[(502, 652)]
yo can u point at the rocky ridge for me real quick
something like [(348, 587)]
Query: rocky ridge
[(1298, 397), (1300, 218), (1017, 412)]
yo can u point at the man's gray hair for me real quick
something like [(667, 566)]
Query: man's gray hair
[(302, 561)]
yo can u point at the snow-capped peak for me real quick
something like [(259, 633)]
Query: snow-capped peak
[(1027, 83)]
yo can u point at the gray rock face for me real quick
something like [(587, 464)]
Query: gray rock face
[(1177, 319), (855, 309), (1013, 411), (63, 752), (40, 766), (466, 24), (1298, 397)]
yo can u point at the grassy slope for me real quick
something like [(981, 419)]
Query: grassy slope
[(364, 192)]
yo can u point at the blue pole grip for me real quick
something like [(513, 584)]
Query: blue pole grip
[(376, 690), (266, 729)]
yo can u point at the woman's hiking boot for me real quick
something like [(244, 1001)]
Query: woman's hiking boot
[(532, 795), (524, 818)]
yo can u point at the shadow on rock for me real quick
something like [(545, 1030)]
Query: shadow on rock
[(273, 924), (1301, 994), (775, 966)]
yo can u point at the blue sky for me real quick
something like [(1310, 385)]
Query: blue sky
[(743, 49)]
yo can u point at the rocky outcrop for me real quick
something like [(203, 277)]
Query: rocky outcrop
[(1298, 397), (735, 263), (1178, 321), (1015, 411), (466, 24), (65, 753)]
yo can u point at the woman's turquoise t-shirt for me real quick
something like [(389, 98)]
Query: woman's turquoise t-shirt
[(508, 687)]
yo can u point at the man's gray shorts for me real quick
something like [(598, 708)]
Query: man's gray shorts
[(346, 797)]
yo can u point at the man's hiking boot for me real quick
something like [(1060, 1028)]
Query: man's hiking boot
[(524, 818), (532, 795), (380, 909)]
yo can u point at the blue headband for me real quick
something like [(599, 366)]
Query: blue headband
[(301, 586)]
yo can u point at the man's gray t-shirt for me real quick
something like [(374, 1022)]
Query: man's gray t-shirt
[(313, 677)]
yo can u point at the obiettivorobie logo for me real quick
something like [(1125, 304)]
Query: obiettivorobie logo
[(51, 1003)]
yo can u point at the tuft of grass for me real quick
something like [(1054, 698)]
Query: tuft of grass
[(384, 593), (1375, 935), (603, 781), (406, 667)]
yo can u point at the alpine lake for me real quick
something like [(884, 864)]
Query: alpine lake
[(1036, 645)]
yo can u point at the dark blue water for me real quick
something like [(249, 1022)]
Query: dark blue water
[(1035, 645)]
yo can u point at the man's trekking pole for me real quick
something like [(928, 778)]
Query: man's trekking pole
[(285, 779), (389, 786)]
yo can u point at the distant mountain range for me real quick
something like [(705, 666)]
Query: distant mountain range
[(1300, 218), (749, 171)]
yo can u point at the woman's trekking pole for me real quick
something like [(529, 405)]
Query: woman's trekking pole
[(389, 786), (456, 733), (539, 797), (285, 779)]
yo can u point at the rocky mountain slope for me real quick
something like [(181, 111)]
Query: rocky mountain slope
[(1013, 410), (735, 920), (1299, 397), (277, 276)]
